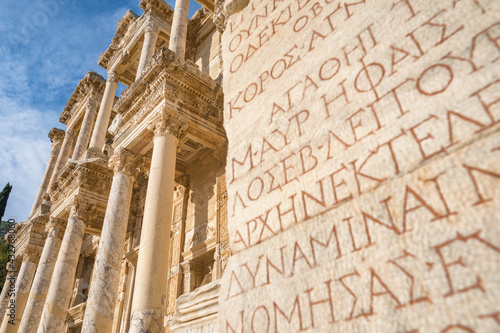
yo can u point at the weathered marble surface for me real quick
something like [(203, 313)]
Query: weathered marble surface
[(105, 278), (363, 178), (10, 324), (149, 302), (197, 311), (41, 281), (61, 284)]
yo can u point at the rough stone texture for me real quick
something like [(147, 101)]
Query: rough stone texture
[(362, 171)]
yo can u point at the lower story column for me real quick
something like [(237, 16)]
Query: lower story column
[(149, 302), (18, 300), (61, 285), (41, 282), (106, 276)]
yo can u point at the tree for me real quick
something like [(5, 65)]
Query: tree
[(4, 226), (4, 196)]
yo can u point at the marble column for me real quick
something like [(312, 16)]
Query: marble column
[(102, 122), (62, 159), (41, 282), (17, 302), (10, 283), (56, 136), (149, 302), (178, 34), (63, 278), (148, 48), (85, 131), (106, 276)]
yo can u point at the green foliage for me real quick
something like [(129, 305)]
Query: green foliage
[(4, 252), (4, 196)]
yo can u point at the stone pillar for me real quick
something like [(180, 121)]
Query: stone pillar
[(102, 122), (17, 302), (85, 131), (41, 282), (9, 284), (61, 285), (149, 301), (178, 34), (56, 136), (106, 276), (148, 48), (62, 159)]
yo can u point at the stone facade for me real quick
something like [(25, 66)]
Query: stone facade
[(274, 166)]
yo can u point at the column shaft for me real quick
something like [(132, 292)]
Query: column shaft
[(56, 136), (41, 282), (17, 302), (106, 276), (61, 285), (148, 49), (101, 125), (178, 35), (152, 267), (62, 159), (85, 131)]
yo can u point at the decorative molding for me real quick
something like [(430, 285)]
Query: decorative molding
[(168, 122), (124, 161)]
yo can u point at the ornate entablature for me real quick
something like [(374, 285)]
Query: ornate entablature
[(87, 178), (180, 87), (90, 89)]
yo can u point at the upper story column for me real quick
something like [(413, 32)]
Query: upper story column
[(178, 34), (149, 299), (62, 159), (63, 277), (56, 136), (101, 125), (148, 48), (106, 276), (85, 131)]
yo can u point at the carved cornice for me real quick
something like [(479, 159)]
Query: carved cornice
[(93, 178), (124, 161), (157, 6), (171, 79), (168, 122), (56, 136), (92, 83)]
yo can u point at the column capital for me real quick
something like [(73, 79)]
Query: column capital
[(56, 136), (55, 228), (152, 27), (168, 122), (112, 77), (124, 161), (82, 209), (32, 253), (69, 133)]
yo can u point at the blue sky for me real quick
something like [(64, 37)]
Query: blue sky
[(46, 48)]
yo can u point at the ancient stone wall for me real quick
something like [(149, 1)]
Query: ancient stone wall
[(363, 166)]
